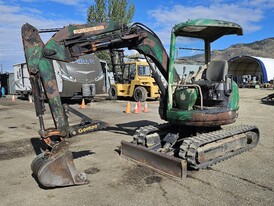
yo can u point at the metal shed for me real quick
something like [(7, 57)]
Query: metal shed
[(259, 67)]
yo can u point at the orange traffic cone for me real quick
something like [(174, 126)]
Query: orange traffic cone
[(145, 109), (83, 105), (128, 108), (13, 98), (136, 110), (139, 107)]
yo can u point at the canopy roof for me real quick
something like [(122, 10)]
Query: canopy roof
[(207, 29)]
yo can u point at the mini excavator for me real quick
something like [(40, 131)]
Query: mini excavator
[(194, 111)]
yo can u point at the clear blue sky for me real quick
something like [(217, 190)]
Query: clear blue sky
[(255, 16)]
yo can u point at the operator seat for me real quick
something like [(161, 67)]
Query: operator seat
[(217, 71), (214, 87)]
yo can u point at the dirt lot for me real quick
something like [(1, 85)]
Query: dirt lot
[(247, 179)]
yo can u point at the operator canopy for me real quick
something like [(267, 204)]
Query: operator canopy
[(208, 29)]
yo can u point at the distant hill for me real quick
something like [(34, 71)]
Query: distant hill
[(262, 48)]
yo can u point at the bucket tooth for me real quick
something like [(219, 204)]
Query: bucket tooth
[(57, 170), (157, 161)]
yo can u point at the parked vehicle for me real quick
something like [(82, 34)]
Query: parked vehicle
[(132, 79), (82, 78)]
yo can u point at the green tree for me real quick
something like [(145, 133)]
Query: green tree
[(110, 10)]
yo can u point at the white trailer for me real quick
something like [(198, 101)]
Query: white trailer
[(80, 79), (22, 84)]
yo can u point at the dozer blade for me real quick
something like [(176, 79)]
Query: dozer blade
[(157, 161), (57, 169)]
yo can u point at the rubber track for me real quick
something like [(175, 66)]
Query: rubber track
[(188, 149), (141, 133)]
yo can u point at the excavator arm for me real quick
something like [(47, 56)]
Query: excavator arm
[(66, 45)]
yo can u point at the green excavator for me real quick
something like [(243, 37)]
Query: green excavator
[(195, 111)]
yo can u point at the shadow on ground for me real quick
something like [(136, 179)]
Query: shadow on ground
[(129, 128)]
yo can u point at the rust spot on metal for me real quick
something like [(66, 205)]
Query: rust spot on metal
[(164, 60), (149, 42), (203, 119), (51, 88)]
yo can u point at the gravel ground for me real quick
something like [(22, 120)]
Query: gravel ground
[(246, 179)]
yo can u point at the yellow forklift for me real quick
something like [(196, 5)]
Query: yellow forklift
[(132, 79)]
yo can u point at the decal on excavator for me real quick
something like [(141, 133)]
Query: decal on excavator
[(89, 128), (85, 30)]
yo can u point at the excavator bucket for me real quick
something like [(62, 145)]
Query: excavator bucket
[(161, 163), (56, 169)]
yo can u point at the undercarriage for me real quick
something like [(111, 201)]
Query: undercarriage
[(172, 150)]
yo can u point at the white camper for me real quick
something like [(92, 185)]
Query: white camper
[(22, 84), (80, 79)]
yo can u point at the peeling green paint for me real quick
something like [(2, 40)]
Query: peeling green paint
[(58, 49), (34, 55)]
